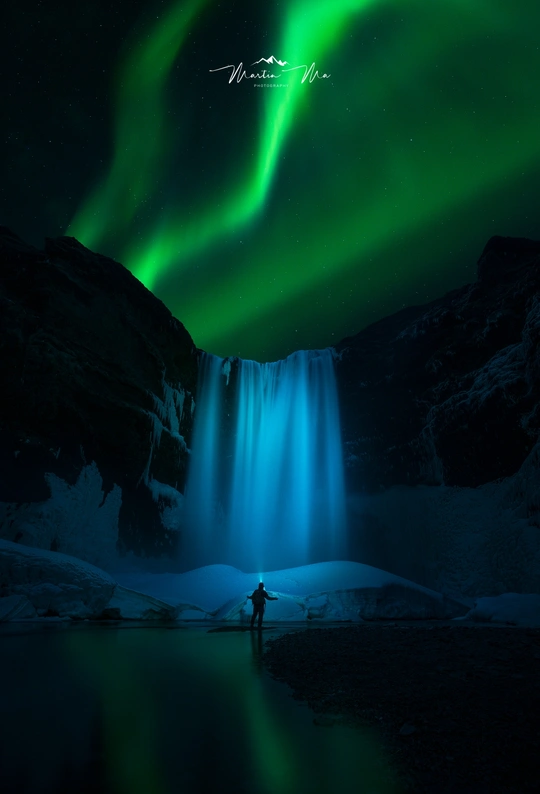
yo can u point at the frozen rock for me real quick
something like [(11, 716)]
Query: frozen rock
[(78, 519), (51, 584), (513, 608), (329, 591), (357, 604), (16, 607), (104, 362), (130, 605), (54, 583)]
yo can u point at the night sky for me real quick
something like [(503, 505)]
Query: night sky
[(268, 214)]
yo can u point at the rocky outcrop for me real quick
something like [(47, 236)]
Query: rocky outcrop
[(98, 381), (448, 393)]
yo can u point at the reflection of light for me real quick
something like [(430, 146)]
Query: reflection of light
[(128, 708), (269, 741)]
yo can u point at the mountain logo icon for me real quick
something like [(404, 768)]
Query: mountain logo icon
[(271, 59), (238, 72)]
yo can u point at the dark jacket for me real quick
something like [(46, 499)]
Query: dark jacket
[(259, 596)]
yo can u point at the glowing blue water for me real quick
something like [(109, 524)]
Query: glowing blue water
[(265, 487)]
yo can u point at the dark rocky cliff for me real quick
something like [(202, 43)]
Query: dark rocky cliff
[(448, 393), (439, 406), (97, 381)]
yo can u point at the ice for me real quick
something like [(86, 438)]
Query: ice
[(78, 519), (39, 583), (171, 410), (166, 417), (514, 608), (130, 605), (54, 583), (170, 501), (209, 587), (57, 585), (338, 590), (15, 607)]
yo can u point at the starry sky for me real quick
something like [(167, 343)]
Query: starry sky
[(272, 214)]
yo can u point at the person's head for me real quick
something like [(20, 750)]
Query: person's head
[(261, 585)]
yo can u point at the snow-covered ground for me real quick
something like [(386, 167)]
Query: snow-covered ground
[(325, 591), (35, 583), (513, 608)]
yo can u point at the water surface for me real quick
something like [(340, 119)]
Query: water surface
[(129, 710)]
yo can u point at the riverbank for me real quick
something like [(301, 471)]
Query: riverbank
[(457, 706)]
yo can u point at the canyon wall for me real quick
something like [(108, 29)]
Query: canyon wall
[(98, 382), (440, 408)]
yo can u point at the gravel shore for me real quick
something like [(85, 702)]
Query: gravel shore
[(457, 706)]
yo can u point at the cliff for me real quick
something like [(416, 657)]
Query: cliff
[(98, 380), (448, 393), (440, 408)]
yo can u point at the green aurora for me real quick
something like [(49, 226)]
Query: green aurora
[(317, 207)]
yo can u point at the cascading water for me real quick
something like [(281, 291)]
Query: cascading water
[(265, 486)]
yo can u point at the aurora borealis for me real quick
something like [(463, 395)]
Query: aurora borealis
[(270, 219)]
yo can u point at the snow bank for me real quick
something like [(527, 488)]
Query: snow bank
[(54, 583), (16, 607), (78, 519), (465, 542), (128, 605), (330, 591), (514, 608), (51, 584), (39, 583)]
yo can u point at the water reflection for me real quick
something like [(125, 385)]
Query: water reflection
[(257, 651), (158, 711)]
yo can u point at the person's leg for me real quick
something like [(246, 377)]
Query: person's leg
[(261, 613), (253, 615)]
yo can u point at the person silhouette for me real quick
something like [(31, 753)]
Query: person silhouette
[(259, 598)]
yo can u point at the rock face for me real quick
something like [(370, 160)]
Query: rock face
[(440, 408), (448, 392), (98, 381)]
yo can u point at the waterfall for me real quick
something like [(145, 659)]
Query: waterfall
[(265, 485)]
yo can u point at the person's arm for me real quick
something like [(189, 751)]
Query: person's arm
[(269, 597), (250, 596)]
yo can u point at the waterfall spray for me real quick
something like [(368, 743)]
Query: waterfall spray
[(265, 487)]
